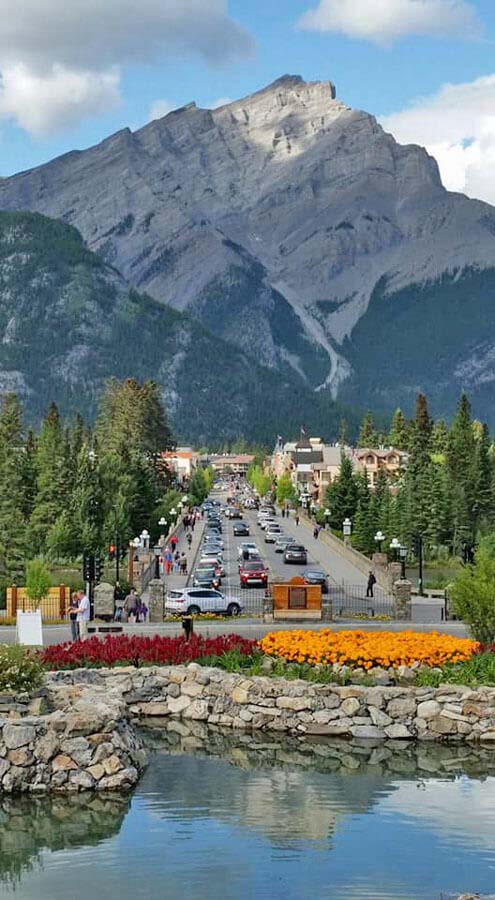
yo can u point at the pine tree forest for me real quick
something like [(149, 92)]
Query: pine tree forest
[(445, 492)]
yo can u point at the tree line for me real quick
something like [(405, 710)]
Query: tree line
[(445, 492), (71, 487)]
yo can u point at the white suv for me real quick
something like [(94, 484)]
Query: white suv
[(196, 600)]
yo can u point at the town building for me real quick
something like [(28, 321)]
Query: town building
[(231, 464), (181, 463)]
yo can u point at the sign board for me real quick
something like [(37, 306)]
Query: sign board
[(29, 629), (347, 530)]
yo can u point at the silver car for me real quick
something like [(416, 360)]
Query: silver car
[(196, 600)]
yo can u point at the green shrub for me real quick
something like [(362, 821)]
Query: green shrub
[(38, 580), (20, 669), (473, 594)]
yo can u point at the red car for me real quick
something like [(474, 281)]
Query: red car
[(253, 572)]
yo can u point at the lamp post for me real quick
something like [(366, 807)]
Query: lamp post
[(327, 515), (347, 529), (163, 525), (157, 553), (403, 556), (379, 538), (173, 515), (395, 547), (145, 539)]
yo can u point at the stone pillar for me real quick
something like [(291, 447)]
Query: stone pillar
[(156, 601), (402, 600), (326, 609), (394, 573), (379, 566), (267, 608)]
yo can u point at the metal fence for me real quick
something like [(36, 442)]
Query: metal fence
[(348, 600), (250, 599)]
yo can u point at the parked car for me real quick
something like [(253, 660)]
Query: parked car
[(316, 576), (214, 539), (253, 572), (249, 546), (213, 559), (282, 542), (241, 529), (296, 553), (198, 600), (206, 576)]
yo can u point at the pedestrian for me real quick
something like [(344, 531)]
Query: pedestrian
[(173, 542), (189, 539), (129, 609), (183, 564), (297, 518), (83, 613), (316, 532), (73, 607), (188, 625), (283, 513), (167, 560), (141, 610), (176, 561), (370, 585), (193, 521)]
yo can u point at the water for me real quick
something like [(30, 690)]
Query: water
[(264, 817)]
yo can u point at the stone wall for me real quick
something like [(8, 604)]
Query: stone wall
[(449, 713), (87, 735)]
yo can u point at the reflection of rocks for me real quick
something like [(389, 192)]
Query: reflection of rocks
[(280, 800), (28, 826)]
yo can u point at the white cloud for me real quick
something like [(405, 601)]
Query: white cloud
[(44, 103), (457, 126), (160, 108), (385, 21), (82, 43)]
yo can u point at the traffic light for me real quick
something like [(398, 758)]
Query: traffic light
[(98, 568), (111, 552), (88, 567)]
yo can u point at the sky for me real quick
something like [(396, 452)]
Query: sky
[(71, 73)]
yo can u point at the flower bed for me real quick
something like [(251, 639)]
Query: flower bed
[(366, 650), (137, 651)]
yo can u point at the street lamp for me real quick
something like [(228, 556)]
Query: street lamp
[(347, 529), (145, 538), (395, 547), (173, 514), (163, 524), (379, 538), (403, 555), (327, 515)]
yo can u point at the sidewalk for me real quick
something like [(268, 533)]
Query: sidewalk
[(175, 580), (338, 568)]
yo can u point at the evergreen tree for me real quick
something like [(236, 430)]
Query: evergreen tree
[(13, 491), (364, 530), (439, 438), (461, 460), (342, 494), (399, 431), (368, 436), (51, 497), (343, 433)]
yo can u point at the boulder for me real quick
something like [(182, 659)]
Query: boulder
[(15, 736)]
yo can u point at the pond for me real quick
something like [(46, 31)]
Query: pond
[(223, 816)]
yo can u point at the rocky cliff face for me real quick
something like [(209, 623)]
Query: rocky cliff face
[(273, 220)]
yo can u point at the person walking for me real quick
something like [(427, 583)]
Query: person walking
[(297, 518), (183, 564), (189, 539), (83, 614), (73, 607), (316, 532), (129, 609), (371, 584), (167, 561)]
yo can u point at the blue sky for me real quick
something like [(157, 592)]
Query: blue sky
[(73, 74)]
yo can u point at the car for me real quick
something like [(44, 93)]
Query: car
[(316, 576), (272, 533), (206, 576), (214, 539), (247, 546), (296, 553), (253, 572), (241, 529), (213, 527), (212, 559), (196, 600), (282, 542)]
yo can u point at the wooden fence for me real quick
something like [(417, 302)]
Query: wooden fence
[(53, 606)]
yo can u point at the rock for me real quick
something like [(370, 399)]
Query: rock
[(112, 764), (429, 709), (4, 767), (155, 708), (96, 771), (63, 763), (367, 731), (198, 709), (191, 689), (173, 690), (294, 703), (123, 779), (401, 708), (350, 706), (179, 705), (378, 717), (441, 725), (15, 736), (82, 780), (398, 732), (404, 673), (240, 695), (46, 747), (103, 751), (21, 757)]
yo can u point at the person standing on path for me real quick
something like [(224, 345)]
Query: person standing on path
[(316, 532), (297, 518), (183, 564), (73, 607), (83, 613), (370, 585)]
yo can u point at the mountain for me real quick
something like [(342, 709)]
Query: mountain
[(297, 229), (68, 322)]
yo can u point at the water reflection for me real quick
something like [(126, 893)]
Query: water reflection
[(259, 815)]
